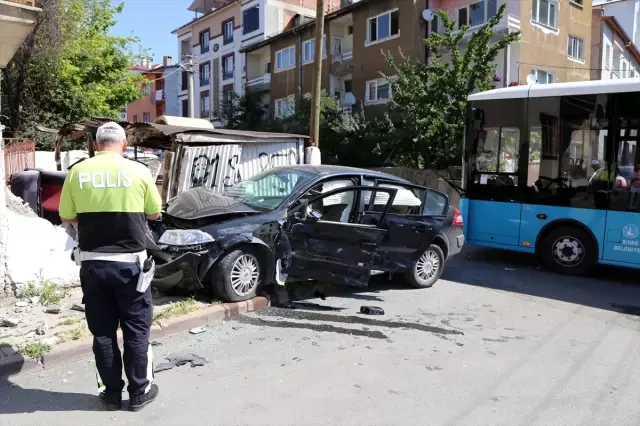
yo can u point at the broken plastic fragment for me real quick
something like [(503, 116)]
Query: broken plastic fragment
[(197, 330)]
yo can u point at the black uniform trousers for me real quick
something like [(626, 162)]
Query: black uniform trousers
[(111, 298)]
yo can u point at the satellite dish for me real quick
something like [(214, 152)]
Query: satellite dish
[(531, 79), (427, 15), (349, 99)]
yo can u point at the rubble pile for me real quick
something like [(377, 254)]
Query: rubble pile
[(37, 251)]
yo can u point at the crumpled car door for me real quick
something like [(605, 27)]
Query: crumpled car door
[(328, 245)]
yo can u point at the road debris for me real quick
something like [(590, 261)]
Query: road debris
[(9, 322), (77, 307), (371, 310), (176, 360), (197, 330), (35, 300), (22, 304), (42, 329), (53, 309), (156, 343)]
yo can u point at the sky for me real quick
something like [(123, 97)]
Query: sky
[(152, 22)]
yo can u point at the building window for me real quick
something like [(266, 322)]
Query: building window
[(624, 68), (146, 117), (475, 14), (286, 58), (308, 49), (227, 67), (185, 83), (349, 29), (267, 68), (434, 24), (383, 26), (337, 46), (227, 32), (575, 49), (607, 60), (135, 118), (545, 12), (227, 99), (147, 89), (285, 107), (204, 41), (205, 73), (205, 103), (378, 91), (544, 77), (185, 108), (577, 2), (250, 20)]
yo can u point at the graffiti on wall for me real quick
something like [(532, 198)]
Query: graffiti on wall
[(221, 166)]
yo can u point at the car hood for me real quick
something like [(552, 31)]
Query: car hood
[(200, 202)]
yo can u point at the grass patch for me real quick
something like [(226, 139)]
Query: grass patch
[(75, 333), (178, 309), (70, 321), (215, 302), (48, 293), (35, 350)]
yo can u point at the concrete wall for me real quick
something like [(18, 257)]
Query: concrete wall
[(427, 178)]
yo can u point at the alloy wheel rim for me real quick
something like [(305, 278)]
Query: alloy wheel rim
[(245, 274), (428, 265)]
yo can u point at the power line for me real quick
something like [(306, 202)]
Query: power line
[(573, 68)]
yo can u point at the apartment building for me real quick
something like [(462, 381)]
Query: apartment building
[(554, 46), (355, 34), (626, 12), (215, 40), (152, 104), (613, 53)]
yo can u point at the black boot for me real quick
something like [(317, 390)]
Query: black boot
[(138, 402), (112, 400)]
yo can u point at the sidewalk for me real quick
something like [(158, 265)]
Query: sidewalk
[(13, 363)]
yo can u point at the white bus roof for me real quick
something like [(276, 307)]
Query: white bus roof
[(560, 89)]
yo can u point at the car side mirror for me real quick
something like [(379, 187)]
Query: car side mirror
[(314, 215)]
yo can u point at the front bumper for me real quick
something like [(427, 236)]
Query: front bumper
[(182, 270)]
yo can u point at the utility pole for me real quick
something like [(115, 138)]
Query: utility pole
[(190, 77), (314, 127)]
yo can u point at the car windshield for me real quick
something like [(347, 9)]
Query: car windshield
[(268, 190)]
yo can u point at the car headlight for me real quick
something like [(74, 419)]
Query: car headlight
[(185, 237)]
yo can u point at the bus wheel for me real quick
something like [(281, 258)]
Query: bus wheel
[(569, 250)]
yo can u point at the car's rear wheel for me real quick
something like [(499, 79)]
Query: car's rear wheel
[(238, 275), (427, 269), (569, 250)]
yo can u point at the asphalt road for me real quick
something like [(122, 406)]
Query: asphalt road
[(496, 341)]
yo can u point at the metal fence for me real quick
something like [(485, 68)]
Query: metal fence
[(18, 155)]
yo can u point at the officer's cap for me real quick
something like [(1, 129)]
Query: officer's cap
[(111, 128)]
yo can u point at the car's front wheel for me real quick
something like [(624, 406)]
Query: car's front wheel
[(238, 275), (427, 270)]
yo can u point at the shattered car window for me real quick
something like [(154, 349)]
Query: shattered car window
[(268, 190)]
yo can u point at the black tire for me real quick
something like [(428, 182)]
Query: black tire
[(422, 279), (569, 250), (221, 278)]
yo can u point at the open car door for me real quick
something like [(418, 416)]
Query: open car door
[(327, 244), (413, 220)]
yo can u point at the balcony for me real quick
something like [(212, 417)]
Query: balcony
[(259, 84), (342, 64), (17, 20)]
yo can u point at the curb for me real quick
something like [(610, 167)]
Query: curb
[(68, 352)]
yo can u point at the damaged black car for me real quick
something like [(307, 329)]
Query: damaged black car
[(332, 224)]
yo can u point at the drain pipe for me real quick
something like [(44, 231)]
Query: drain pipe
[(299, 69)]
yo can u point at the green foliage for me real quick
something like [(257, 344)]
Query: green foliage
[(431, 98), (35, 350), (68, 69), (47, 292)]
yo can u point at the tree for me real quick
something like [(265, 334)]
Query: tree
[(69, 68), (431, 98)]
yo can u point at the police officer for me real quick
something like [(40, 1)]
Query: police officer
[(110, 198)]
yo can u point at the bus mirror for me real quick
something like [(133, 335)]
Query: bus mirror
[(478, 118)]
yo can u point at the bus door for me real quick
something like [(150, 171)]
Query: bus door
[(622, 240)]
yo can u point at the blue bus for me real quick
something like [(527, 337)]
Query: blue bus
[(552, 170)]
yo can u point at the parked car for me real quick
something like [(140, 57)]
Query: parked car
[(328, 223)]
